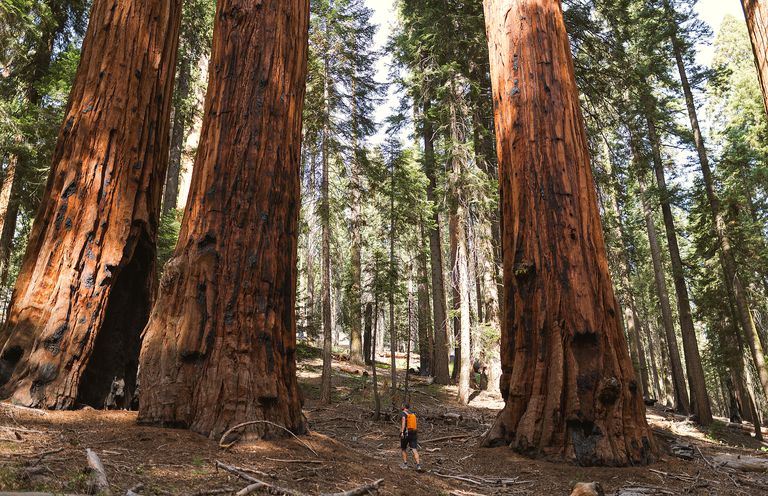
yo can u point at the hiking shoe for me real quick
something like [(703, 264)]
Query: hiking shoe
[(404, 466)]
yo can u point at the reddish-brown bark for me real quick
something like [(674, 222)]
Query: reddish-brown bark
[(756, 13), (86, 282), (568, 381), (220, 345)]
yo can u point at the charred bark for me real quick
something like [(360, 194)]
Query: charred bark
[(568, 383), (220, 346), (87, 278)]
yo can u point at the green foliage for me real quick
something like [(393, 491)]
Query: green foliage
[(167, 236)]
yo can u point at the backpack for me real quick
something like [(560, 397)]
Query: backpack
[(410, 421)]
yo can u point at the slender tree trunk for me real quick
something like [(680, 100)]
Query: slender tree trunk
[(426, 343), (355, 305), (440, 370), (700, 404), (678, 377), (630, 308), (459, 255), (665, 365), (727, 260), (391, 279), (178, 135), (568, 383), (376, 397), (87, 280), (9, 209), (220, 346), (408, 345), (485, 253), (325, 219), (655, 376), (756, 13), (367, 333)]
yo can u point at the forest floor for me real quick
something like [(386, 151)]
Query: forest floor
[(46, 451)]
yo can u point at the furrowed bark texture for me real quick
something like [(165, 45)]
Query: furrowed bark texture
[(220, 345), (568, 382), (87, 280), (756, 13)]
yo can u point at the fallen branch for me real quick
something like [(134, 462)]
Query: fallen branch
[(212, 492), (253, 422), (373, 487), (256, 484), (458, 477), (713, 467), (446, 438), (98, 481), (280, 460)]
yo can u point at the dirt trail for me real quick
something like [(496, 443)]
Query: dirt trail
[(46, 451)]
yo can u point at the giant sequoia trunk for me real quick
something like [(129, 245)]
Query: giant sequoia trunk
[(220, 346), (568, 384), (756, 13), (84, 291)]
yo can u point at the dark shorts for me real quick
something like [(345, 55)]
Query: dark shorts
[(411, 439)]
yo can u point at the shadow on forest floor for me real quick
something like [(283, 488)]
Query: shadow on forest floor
[(45, 451)]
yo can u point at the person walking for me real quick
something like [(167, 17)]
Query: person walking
[(409, 436)]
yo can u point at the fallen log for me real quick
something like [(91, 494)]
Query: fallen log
[(98, 479), (743, 463)]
